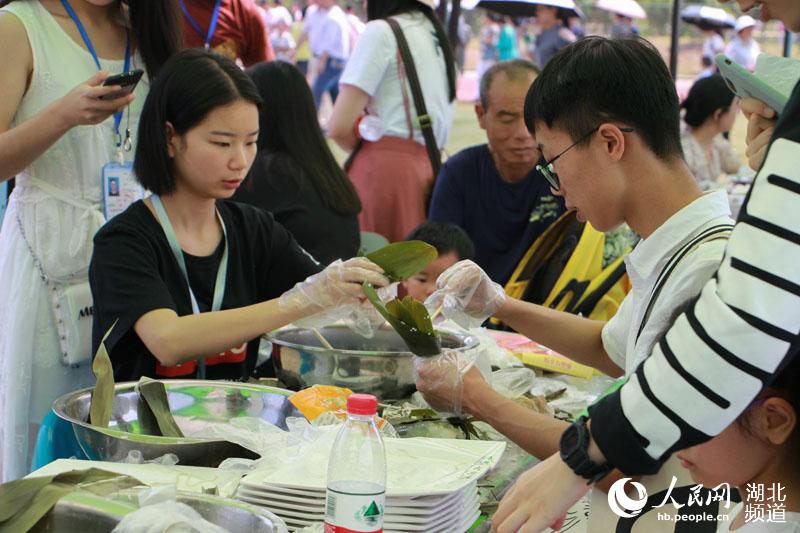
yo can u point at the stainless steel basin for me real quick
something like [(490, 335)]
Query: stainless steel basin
[(192, 402), (382, 365), (88, 513)]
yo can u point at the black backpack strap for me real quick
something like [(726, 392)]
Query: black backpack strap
[(720, 231), (424, 118)]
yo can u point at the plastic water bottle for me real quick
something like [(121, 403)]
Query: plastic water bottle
[(370, 128), (357, 471)]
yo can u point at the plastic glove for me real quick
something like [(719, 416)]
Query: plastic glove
[(332, 294), (467, 295), (440, 379)]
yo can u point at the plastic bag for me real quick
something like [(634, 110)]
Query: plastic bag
[(171, 516), (318, 399), (512, 382)]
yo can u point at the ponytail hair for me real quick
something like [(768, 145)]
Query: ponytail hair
[(706, 96)]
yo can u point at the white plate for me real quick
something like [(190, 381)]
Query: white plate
[(392, 517), (446, 519), (297, 496), (415, 467), (318, 506), (463, 526)]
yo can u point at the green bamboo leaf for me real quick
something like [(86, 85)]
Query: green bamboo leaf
[(401, 260), (417, 333), (102, 402)]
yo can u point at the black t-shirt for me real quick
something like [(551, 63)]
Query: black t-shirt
[(133, 271), (277, 184)]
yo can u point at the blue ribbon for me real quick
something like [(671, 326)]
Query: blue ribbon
[(212, 27), (88, 42)]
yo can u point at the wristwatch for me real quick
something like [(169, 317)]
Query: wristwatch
[(574, 448)]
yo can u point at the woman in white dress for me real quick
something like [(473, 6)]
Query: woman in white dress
[(55, 137)]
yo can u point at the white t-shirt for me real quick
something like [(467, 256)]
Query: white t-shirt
[(331, 34), (790, 525), (373, 68), (744, 53), (644, 265)]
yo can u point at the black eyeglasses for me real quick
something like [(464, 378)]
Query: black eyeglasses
[(547, 168)]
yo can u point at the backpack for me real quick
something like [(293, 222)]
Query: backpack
[(563, 269)]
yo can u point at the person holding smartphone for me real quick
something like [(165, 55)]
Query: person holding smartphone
[(56, 134)]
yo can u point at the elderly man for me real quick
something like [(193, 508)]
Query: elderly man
[(493, 190)]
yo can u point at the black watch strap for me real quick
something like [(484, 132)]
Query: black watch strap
[(574, 448)]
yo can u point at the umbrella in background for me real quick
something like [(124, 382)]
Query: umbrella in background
[(707, 17), (527, 8), (626, 8)]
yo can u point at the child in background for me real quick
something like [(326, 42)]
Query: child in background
[(452, 244), (758, 451)]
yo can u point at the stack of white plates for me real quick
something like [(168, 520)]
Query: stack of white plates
[(431, 484), (299, 508)]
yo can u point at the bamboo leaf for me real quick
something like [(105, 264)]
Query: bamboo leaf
[(401, 260), (155, 395), (413, 325)]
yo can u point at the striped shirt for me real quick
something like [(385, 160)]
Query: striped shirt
[(732, 340)]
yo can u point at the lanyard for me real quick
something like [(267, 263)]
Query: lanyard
[(88, 42), (222, 271), (212, 26)]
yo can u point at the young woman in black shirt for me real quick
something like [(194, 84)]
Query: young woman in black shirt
[(295, 176), (186, 281)]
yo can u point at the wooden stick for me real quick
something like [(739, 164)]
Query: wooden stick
[(436, 313), (322, 339)]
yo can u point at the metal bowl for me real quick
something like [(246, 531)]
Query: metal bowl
[(381, 365), (192, 402), (88, 513)]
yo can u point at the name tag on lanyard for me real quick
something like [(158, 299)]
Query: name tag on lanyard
[(120, 188)]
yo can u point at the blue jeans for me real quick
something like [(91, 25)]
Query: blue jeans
[(328, 80)]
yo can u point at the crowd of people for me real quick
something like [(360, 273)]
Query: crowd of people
[(238, 219)]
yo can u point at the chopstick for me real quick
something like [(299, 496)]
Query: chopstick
[(322, 339), (436, 313)]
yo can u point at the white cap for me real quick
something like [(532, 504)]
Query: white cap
[(744, 22)]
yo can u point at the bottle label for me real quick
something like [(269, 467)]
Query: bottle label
[(354, 513)]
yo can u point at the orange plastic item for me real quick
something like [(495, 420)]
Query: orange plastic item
[(319, 399)]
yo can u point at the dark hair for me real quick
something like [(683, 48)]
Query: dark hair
[(445, 238), (191, 84), (157, 30), (289, 126), (514, 69), (706, 96), (598, 80), (382, 9)]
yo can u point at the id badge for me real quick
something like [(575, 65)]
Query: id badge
[(120, 188)]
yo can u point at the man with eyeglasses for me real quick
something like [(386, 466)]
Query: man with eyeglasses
[(613, 152)]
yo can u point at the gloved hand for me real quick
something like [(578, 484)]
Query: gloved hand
[(467, 295), (441, 380), (332, 294)]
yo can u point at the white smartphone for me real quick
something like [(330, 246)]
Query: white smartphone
[(745, 84)]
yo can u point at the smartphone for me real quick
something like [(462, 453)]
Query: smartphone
[(745, 84), (126, 80)]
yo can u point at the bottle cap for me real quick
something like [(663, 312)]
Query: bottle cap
[(362, 404)]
